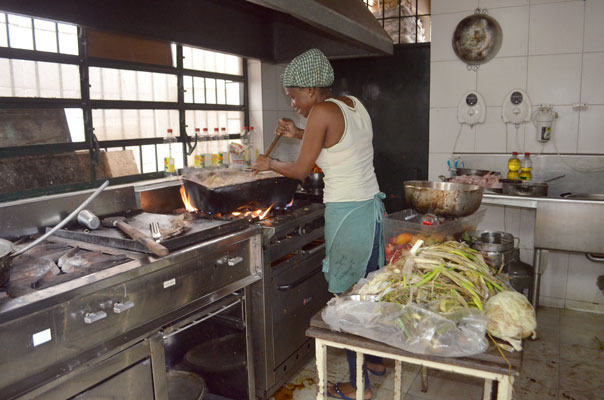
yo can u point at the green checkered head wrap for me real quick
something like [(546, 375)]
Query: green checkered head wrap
[(309, 69)]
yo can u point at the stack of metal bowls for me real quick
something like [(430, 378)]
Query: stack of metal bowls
[(496, 247)]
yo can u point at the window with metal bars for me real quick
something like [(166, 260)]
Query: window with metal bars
[(406, 21), (67, 90)]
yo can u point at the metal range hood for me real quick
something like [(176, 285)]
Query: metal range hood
[(344, 28), (269, 30)]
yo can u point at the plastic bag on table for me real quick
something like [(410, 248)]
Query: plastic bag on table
[(411, 328)]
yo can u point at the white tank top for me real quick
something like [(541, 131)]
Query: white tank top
[(348, 165)]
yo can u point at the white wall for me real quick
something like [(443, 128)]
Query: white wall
[(554, 50), (268, 103)]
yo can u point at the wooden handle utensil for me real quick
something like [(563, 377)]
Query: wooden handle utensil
[(154, 247)]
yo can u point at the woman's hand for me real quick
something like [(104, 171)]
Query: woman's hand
[(286, 127), (263, 163)]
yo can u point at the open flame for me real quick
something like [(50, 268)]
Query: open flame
[(260, 214), (291, 203), (186, 200)]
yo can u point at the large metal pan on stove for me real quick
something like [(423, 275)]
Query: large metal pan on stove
[(517, 187), (469, 171), (260, 191), (442, 198)]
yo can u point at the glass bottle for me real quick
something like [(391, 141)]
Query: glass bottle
[(169, 165), (252, 145), (526, 167), (514, 166)]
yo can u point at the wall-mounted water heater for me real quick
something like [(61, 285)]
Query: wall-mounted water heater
[(516, 107), (543, 119), (471, 109)]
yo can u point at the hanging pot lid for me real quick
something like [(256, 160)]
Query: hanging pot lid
[(477, 39)]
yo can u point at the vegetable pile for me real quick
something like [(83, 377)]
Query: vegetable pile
[(443, 277), (450, 277)]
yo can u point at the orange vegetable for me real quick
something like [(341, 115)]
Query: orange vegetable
[(404, 238)]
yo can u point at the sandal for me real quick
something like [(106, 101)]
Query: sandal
[(339, 393)]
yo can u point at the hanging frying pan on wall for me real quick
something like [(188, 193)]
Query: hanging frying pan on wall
[(477, 39)]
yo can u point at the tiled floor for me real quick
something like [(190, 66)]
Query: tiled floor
[(564, 363)]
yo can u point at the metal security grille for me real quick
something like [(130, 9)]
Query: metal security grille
[(111, 104), (406, 21)]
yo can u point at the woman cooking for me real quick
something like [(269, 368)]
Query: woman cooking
[(338, 138)]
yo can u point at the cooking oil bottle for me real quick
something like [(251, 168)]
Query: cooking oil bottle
[(199, 161), (514, 166), (169, 165), (526, 167)]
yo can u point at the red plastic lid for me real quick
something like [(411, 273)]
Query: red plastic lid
[(251, 128), (223, 129), (245, 128), (515, 153), (215, 129), (527, 154), (169, 130), (196, 129), (205, 129)]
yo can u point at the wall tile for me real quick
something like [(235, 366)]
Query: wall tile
[(548, 1), (491, 136), (554, 79), (592, 84), (443, 26), (553, 280), (545, 301), (269, 87), (515, 137), (254, 69), (582, 275), (594, 28), (449, 81), (491, 4), (514, 23), (444, 129), (556, 28), (497, 77), (591, 130), (565, 133), (437, 165), (448, 6)]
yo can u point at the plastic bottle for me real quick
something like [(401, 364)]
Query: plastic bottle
[(169, 165), (252, 144), (245, 141), (514, 166), (224, 147), (526, 167), (199, 161), (205, 148), (216, 151)]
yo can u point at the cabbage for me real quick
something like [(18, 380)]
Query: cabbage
[(511, 318)]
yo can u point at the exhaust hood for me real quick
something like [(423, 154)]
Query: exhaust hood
[(269, 30), (344, 28)]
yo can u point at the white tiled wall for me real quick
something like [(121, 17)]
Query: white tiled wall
[(554, 50), (268, 103)]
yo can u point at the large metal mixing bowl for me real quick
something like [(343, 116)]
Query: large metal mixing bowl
[(442, 198)]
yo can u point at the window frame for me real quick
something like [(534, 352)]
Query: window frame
[(86, 104)]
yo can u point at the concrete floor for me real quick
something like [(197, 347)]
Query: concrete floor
[(564, 363)]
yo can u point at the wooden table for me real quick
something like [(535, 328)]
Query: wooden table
[(489, 365)]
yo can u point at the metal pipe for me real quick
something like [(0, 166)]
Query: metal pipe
[(65, 221), (536, 278)]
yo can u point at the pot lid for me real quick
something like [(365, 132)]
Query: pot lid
[(5, 247)]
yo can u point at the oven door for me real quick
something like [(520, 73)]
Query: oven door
[(298, 292)]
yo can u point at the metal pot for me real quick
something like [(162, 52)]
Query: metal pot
[(314, 181), (496, 247), (516, 187), (443, 199)]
